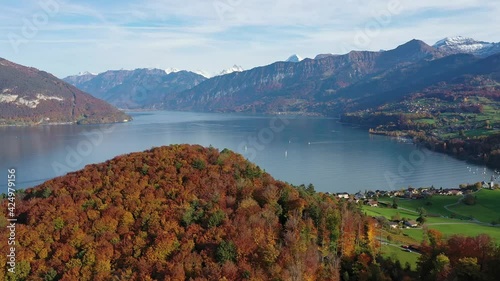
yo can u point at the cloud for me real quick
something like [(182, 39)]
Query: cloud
[(214, 34)]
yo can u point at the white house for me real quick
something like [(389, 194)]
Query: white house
[(343, 195)]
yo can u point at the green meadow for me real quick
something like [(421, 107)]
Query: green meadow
[(455, 221)]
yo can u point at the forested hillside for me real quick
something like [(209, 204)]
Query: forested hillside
[(186, 213), (29, 96)]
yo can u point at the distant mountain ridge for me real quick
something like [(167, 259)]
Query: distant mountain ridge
[(299, 86), (29, 96), (334, 84), (460, 44), (455, 71), (136, 89), (80, 78), (295, 86)]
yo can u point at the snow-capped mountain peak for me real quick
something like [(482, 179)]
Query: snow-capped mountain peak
[(206, 74), (203, 73), (171, 70), (461, 44), (85, 73), (294, 58), (81, 77), (234, 68), (455, 41)]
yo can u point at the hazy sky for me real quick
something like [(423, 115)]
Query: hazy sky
[(66, 37)]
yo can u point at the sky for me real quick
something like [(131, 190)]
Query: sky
[(66, 37)]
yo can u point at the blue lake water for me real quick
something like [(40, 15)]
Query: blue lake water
[(300, 150)]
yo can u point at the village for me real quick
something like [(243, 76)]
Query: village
[(390, 199)]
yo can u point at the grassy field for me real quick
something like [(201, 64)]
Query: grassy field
[(433, 205), (426, 121), (447, 226), (397, 253), (486, 209), (388, 212), (480, 132), (467, 229), (474, 123)]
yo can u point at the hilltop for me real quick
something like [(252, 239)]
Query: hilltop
[(185, 212)]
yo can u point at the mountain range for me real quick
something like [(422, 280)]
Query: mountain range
[(326, 85), (333, 84), (145, 88), (139, 88), (305, 87), (30, 96)]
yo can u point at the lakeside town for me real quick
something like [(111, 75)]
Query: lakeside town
[(370, 197)]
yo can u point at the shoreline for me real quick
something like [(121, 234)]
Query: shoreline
[(468, 158), (62, 123)]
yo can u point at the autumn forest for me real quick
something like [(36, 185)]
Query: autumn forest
[(185, 212)]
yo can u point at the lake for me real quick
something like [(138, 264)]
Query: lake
[(300, 150)]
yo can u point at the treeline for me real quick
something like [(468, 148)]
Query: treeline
[(484, 150), (459, 258), (389, 121)]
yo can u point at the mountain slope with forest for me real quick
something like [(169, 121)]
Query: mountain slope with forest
[(451, 105), (30, 96), (335, 84), (441, 74), (299, 87)]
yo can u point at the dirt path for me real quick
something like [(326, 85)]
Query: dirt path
[(454, 204), (458, 203)]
